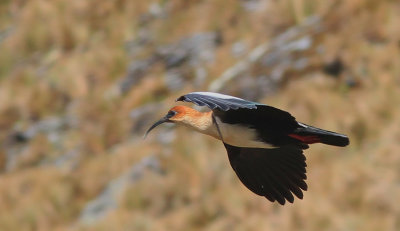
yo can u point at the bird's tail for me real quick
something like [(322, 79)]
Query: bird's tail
[(309, 135)]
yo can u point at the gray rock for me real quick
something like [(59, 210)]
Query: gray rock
[(254, 5), (300, 44), (174, 79), (136, 71), (181, 59), (53, 128), (107, 200), (238, 49), (193, 50), (5, 33), (272, 59), (143, 116)]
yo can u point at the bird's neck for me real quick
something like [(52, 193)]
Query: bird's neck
[(202, 122)]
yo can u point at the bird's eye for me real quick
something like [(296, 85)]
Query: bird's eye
[(171, 113)]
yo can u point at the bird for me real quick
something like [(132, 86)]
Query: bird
[(264, 144)]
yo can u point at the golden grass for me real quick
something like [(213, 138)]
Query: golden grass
[(64, 59)]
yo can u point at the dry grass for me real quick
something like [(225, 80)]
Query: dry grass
[(64, 59)]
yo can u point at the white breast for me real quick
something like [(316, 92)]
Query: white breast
[(240, 136)]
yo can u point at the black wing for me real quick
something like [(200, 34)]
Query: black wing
[(272, 124), (217, 101), (276, 174)]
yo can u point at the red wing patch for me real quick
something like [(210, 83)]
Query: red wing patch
[(306, 139)]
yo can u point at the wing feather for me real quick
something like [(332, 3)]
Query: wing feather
[(217, 101), (276, 174)]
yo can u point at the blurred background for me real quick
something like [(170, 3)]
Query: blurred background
[(81, 81)]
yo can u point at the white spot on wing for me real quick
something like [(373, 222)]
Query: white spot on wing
[(215, 95), (303, 125)]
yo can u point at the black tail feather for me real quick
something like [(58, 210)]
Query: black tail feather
[(323, 136)]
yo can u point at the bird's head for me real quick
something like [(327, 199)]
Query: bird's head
[(178, 115)]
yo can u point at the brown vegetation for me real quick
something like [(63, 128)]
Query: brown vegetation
[(66, 131)]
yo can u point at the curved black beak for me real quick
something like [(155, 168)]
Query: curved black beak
[(162, 120)]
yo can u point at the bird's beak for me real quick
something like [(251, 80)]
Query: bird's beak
[(162, 120)]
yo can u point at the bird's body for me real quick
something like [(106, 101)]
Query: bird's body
[(233, 134), (264, 144), (240, 136)]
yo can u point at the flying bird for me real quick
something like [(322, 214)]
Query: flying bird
[(264, 144)]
